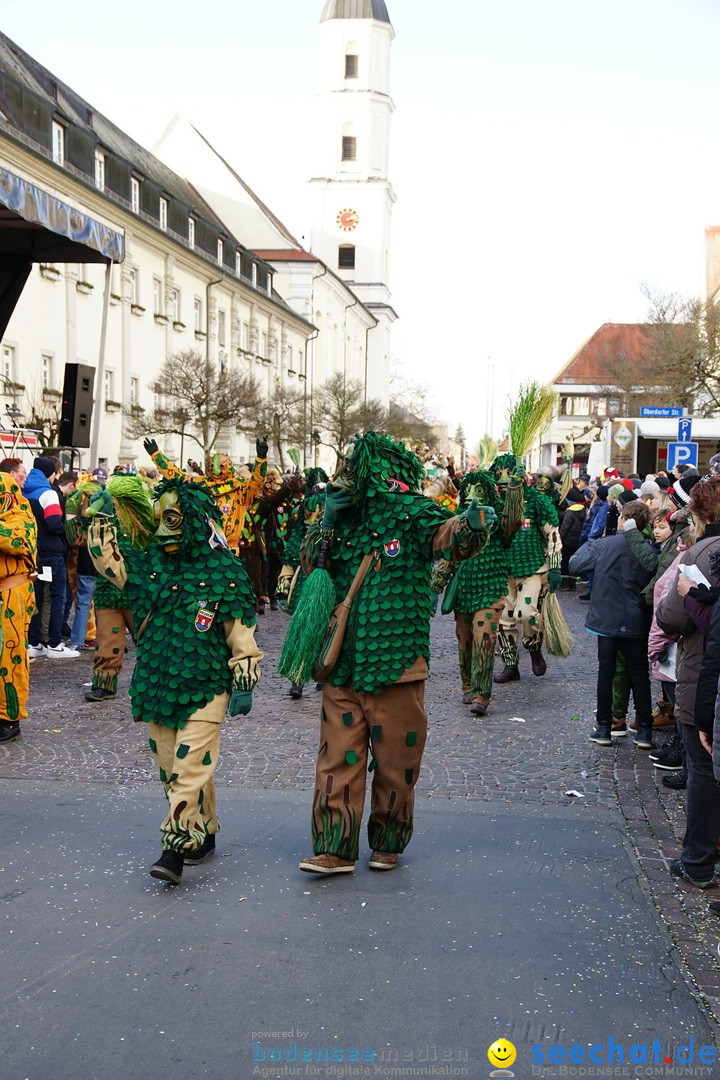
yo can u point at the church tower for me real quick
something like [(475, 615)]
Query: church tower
[(352, 197)]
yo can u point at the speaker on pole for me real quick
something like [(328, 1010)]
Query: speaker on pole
[(77, 405)]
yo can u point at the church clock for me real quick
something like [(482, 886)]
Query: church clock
[(348, 220)]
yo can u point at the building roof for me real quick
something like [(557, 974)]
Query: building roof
[(596, 361), (355, 9)]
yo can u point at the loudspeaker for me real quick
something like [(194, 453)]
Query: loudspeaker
[(77, 405)]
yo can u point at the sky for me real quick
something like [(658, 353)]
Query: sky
[(548, 158)]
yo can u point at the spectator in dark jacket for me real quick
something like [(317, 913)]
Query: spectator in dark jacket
[(571, 525), (618, 618), (702, 804), (51, 558)]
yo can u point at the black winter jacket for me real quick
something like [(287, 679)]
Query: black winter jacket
[(616, 609)]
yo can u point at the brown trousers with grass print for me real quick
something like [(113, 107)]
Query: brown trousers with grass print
[(392, 725)]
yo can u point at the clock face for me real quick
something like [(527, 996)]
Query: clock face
[(348, 220)]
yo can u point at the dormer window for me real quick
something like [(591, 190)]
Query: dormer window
[(163, 214), (99, 170), (134, 194), (58, 143)]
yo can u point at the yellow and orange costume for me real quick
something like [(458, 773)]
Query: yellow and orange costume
[(18, 545)]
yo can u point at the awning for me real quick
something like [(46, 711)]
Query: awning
[(667, 430), (43, 228), (36, 226)]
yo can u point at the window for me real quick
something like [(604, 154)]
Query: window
[(220, 252), (351, 66), (598, 406), (191, 232), (109, 386), (197, 313), (58, 143), (349, 148), (47, 366), (132, 285), (346, 257), (581, 406), (163, 213), (8, 363), (221, 328), (238, 263), (134, 194), (99, 170), (173, 304), (134, 391), (157, 296), (263, 344), (245, 336)]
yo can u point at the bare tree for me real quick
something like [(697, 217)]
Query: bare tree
[(44, 417), (685, 349), (198, 400), (340, 411), (284, 418)]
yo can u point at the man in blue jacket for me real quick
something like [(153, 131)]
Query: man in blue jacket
[(618, 617), (51, 553)]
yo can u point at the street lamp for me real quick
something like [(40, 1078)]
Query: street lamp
[(316, 446)]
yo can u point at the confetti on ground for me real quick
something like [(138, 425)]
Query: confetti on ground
[(577, 794), (517, 719)]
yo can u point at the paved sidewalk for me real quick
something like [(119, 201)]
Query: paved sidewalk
[(532, 879)]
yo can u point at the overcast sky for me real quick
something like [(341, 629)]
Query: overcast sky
[(547, 157)]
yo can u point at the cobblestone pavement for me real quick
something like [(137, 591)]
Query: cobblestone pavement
[(531, 749)]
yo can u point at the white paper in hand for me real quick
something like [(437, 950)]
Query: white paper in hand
[(695, 574), (46, 574)]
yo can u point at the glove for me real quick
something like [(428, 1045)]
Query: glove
[(434, 597), (480, 517), (519, 471), (151, 446), (554, 579), (261, 446), (629, 524), (101, 503), (240, 702), (336, 500)]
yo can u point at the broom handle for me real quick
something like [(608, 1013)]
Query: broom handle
[(323, 552)]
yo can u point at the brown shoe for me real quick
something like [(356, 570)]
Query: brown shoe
[(383, 860), (508, 674), (327, 864), (663, 715)]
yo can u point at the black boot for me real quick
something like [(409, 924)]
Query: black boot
[(192, 858), (296, 691), (9, 729), (539, 667), (643, 736), (602, 735), (169, 867), (510, 673)]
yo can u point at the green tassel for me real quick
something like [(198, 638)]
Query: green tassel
[(307, 627)]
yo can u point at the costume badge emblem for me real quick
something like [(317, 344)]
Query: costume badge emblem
[(526, 524), (226, 508), (392, 549), (204, 619)]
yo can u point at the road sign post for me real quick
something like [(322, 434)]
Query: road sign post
[(685, 429)]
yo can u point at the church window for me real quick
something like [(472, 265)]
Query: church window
[(351, 66), (349, 148), (346, 257)]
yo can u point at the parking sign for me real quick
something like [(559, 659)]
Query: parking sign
[(682, 453)]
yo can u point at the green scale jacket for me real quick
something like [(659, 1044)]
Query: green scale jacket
[(480, 581), (179, 667), (528, 547), (388, 633)]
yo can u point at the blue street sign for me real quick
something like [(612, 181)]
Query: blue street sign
[(685, 429), (682, 453), (663, 412)]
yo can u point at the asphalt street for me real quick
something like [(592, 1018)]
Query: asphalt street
[(518, 912)]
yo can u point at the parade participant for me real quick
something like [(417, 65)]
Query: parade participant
[(134, 523), (534, 555), (233, 493), (194, 611), (476, 593), (376, 519), (292, 576), (18, 544)]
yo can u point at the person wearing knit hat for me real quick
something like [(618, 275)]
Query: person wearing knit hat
[(662, 482), (45, 465), (627, 497), (680, 491), (648, 490), (615, 491)]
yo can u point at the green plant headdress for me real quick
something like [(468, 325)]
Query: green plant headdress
[(133, 508), (201, 514)]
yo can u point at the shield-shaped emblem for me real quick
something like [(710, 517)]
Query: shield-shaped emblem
[(392, 549), (226, 508), (204, 619)]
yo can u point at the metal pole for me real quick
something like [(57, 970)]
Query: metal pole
[(95, 436)]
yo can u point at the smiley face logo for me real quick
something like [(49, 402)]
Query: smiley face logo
[(501, 1054)]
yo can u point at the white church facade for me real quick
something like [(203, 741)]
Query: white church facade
[(206, 265)]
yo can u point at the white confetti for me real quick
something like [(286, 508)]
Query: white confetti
[(517, 719), (577, 794)]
